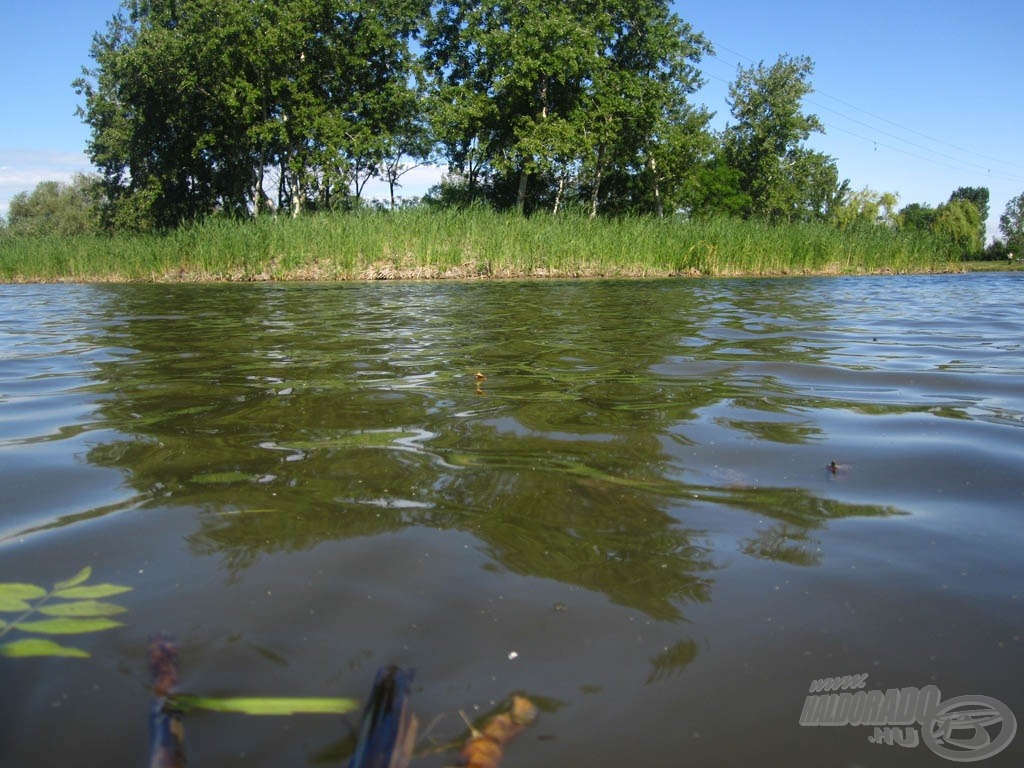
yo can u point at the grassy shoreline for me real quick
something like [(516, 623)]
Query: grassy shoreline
[(468, 244)]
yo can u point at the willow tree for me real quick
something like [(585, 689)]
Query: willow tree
[(192, 102), (959, 223), (979, 196)]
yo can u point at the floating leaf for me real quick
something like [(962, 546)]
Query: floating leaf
[(21, 591), (91, 592), (37, 646), (12, 605), (268, 706), (82, 608), (66, 626), (80, 577)]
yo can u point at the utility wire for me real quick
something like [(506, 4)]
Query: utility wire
[(961, 165), (967, 164)]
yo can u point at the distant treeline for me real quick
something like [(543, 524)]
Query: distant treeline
[(246, 107)]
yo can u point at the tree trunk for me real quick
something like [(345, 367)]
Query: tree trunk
[(598, 170), (258, 194), (521, 194), (658, 207), (558, 195), (296, 196), (282, 185)]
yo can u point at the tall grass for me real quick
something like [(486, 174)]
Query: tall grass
[(429, 243)]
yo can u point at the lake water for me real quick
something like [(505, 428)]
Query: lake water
[(634, 519)]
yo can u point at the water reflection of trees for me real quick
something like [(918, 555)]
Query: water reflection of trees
[(294, 415)]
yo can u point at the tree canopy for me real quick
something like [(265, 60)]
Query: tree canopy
[(238, 107), (56, 208), (1011, 224), (781, 177), (535, 104), (864, 207), (193, 102), (959, 222)]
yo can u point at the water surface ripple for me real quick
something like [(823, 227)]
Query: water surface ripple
[(661, 510)]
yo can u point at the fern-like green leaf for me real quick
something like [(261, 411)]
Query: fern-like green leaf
[(76, 611), (90, 592), (79, 578), (37, 646), (12, 605), (82, 608), (21, 591), (66, 626)]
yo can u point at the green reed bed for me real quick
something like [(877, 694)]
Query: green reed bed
[(431, 244)]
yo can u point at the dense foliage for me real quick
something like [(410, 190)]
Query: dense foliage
[(781, 179), (240, 106), (56, 208), (192, 103), (960, 221), (537, 104), (1011, 224)]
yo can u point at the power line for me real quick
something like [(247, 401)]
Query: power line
[(963, 164), (915, 132), (986, 168), (960, 167)]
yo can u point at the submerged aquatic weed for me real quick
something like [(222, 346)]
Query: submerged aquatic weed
[(71, 607), (266, 705)]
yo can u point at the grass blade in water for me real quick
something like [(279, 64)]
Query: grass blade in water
[(267, 705)]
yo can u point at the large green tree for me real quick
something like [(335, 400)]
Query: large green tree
[(919, 217), (979, 197), (193, 102), (1011, 224), (865, 207), (645, 137), (56, 208), (783, 179), (533, 102), (959, 223)]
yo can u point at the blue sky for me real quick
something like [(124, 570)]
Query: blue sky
[(917, 97)]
